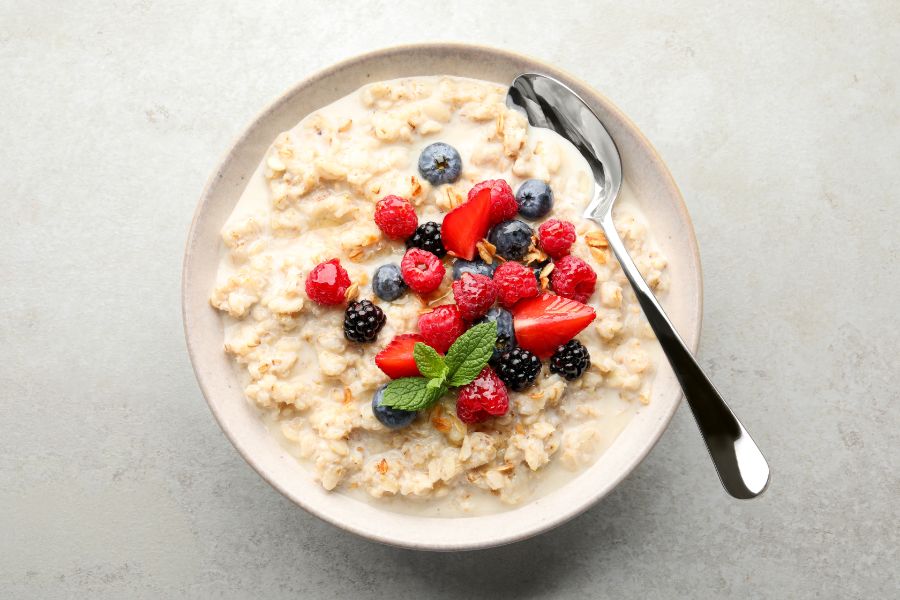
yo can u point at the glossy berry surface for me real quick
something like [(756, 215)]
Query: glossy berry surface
[(482, 399), (506, 332), (397, 359), (570, 360), (466, 225), (427, 236), (475, 267), (362, 322), (396, 217), (511, 238), (421, 270), (387, 283), (573, 278), (327, 283), (440, 163), (474, 295), (518, 368), (442, 326), (556, 237), (392, 418), (514, 282), (535, 199), (545, 322), (503, 202)]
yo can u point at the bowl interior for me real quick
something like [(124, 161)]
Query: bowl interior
[(660, 201)]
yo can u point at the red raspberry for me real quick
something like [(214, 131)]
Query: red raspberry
[(556, 237), (503, 201), (396, 217), (442, 326), (573, 278), (482, 399), (422, 270), (474, 295), (514, 282), (327, 283)]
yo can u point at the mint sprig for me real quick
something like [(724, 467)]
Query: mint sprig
[(464, 361)]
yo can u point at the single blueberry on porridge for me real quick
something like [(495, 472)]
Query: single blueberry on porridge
[(418, 310)]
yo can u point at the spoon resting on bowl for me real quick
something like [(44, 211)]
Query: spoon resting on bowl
[(547, 103)]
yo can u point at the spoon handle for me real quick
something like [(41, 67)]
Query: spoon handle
[(742, 468)]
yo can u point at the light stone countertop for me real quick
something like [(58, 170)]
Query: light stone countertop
[(780, 126)]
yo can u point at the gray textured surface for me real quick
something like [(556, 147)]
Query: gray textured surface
[(779, 124)]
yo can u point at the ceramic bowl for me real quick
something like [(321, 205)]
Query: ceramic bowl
[(660, 201)]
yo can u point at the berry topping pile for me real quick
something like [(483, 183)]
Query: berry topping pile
[(328, 283), (362, 322), (422, 270), (396, 217), (495, 258)]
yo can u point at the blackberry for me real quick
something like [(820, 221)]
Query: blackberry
[(570, 360), (518, 369), (428, 237), (362, 322)]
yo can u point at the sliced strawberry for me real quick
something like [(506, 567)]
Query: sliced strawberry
[(545, 322), (467, 225), (397, 360)]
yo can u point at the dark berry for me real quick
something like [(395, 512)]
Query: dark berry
[(428, 237), (440, 163), (518, 369), (511, 238), (392, 418), (388, 283), (535, 199), (362, 322), (506, 332), (570, 360), (475, 267)]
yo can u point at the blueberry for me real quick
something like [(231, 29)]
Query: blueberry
[(475, 267), (535, 199), (506, 333), (387, 283), (440, 163), (511, 238), (392, 418)]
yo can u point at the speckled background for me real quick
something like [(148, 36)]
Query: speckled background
[(780, 125)]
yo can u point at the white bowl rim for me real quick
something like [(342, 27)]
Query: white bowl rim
[(691, 334)]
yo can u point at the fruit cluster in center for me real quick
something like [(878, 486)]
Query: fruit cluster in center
[(485, 242)]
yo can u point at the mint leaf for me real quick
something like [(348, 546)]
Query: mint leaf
[(429, 361), (413, 393), (470, 353)]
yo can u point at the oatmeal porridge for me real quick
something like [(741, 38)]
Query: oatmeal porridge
[(396, 240)]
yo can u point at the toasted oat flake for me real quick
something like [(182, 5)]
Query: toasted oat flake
[(383, 466), (596, 239), (442, 424), (348, 396), (519, 429), (352, 292), (537, 395)]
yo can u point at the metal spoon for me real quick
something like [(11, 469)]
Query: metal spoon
[(548, 103)]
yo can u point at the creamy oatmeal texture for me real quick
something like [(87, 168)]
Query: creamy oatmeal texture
[(313, 199)]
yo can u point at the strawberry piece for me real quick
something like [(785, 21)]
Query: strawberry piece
[(545, 322), (397, 360), (467, 225)]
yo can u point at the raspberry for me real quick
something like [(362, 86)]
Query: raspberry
[(396, 217), (503, 202), (514, 282), (556, 237), (573, 278), (474, 294), (442, 326), (422, 270), (482, 399), (327, 283)]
